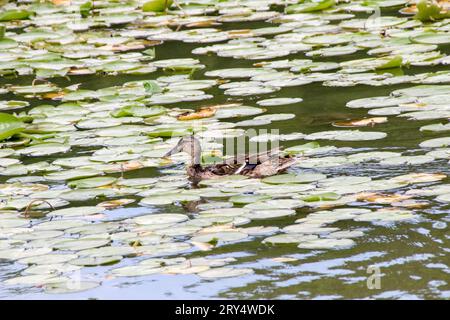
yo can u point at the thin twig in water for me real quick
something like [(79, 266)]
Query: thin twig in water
[(28, 207)]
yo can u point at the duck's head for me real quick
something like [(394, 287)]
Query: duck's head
[(190, 145)]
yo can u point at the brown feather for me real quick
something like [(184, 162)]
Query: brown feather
[(269, 167), (255, 165)]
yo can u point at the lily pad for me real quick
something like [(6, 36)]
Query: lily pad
[(292, 178), (76, 211), (91, 182), (225, 272), (48, 259), (95, 261), (80, 244), (226, 236), (168, 218), (70, 286), (327, 244), (9, 126)]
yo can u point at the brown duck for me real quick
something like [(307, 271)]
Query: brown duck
[(256, 165)]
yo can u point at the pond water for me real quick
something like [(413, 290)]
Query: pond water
[(408, 252)]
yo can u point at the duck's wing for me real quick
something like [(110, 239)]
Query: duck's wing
[(252, 158), (286, 162), (224, 169), (271, 167), (241, 164), (261, 157)]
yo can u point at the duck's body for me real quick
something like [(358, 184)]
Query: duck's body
[(258, 165)]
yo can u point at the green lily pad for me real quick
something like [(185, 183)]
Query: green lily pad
[(289, 238), (225, 236), (14, 15), (70, 286), (327, 244), (95, 261), (109, 251), (135, 271), (156, 5), (292, 178), (167, 218), (278, 101), (269, 214), (225, 272), (244, 199), (9, 126), (306, 228), (91, 182), (346, 135), (76, 211), (38, 235), (432, 38), (80, 244), (51, 269), (34, 280), (310, 6), (169, 199), (436, 143)]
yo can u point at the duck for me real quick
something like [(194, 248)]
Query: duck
[(257, 165)]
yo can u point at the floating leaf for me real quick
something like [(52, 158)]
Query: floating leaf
[(48, 259), (310, 6), (278, 101), (168, 218), (115, 203), (77, 211), (225, 272), (381, 198), (427, 12), (156, 5), (91, 182), (292, 178), (14, 15), (327, 196), (134, 271), (270, 214), (34, 280), (9, 126), (70, 286), (139, 111), (327, 244), (85, 8), (95, 261), (226, 236), (80, 244), (394, 62)]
